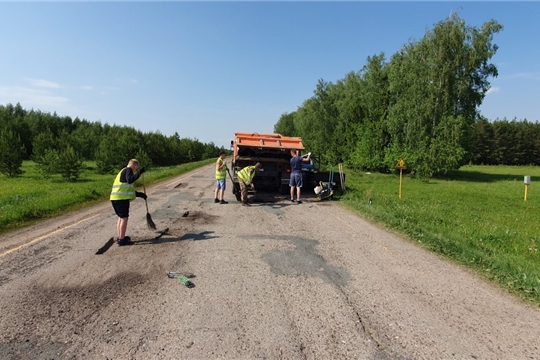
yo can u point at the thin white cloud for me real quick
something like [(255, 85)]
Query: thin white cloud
[(31, 98), (43, 83), (86, 87), (126, 80), (493, 90)]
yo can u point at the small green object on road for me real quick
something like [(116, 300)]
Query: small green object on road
[(185, 281), (183, 278)]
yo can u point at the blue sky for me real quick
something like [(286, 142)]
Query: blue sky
[(208, 69)]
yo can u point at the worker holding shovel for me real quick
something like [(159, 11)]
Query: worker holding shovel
[(221, 174), (123, 191)]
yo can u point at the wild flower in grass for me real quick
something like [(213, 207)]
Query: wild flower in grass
[(533, 249)]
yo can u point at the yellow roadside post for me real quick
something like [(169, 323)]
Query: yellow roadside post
[(401, 165), (527, 181)]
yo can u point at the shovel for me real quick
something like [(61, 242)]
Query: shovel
[(235, 185)]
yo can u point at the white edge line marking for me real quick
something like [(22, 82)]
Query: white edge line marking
[(349, 225), (46, 236)]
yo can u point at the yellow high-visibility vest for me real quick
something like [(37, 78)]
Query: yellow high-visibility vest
[(221, 174), (244, 174), (122, 191)]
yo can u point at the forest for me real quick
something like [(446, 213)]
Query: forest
[(59, 145), (421, 106)]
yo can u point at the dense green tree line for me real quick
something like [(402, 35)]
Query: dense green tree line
[(504, 142), (421, 105), (60, 144)]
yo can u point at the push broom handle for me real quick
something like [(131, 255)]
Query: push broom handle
[(144, 189)]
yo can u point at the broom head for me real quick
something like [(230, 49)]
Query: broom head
[(150, 222)]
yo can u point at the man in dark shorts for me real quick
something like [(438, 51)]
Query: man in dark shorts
[(296, 174), (123, 191)]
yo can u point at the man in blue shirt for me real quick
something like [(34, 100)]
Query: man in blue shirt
[(296, 174)]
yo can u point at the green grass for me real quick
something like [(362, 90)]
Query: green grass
[(30, 198), (476, 216)]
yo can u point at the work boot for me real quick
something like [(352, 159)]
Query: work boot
[(216, 200), (223, 202), (124, 242)]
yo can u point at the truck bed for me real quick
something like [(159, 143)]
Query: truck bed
[(267, 141)]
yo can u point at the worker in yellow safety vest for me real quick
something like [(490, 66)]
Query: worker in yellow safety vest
[(246, 176), (221, 174), (123, 191)]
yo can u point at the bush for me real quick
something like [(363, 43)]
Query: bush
[(69, 164), (48, 163), (11, 153)]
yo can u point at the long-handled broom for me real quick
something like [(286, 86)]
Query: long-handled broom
[(149, 221)]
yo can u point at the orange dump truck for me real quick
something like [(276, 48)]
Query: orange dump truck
[(273, 151)]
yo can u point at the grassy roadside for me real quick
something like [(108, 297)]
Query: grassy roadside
[(476, 216), (30, 198)]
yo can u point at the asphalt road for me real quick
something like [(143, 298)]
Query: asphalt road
[(272, 281)]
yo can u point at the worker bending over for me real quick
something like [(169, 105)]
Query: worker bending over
[(245, 177)]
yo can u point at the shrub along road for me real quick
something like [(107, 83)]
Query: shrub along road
[(274, 280)]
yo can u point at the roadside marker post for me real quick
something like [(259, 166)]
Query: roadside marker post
[(401, 165), (527, 181)]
